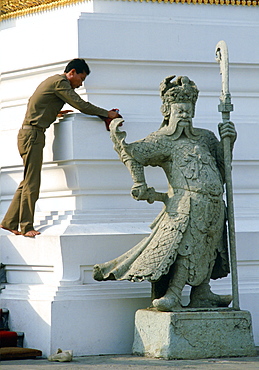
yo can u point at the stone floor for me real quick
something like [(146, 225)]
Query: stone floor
[(128, 362)]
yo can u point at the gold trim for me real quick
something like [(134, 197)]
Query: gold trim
[(19, 8)]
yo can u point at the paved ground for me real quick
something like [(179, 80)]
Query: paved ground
[(127, 362)]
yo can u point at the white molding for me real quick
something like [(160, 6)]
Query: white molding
[(179, 20)]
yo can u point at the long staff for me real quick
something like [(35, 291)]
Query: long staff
[(225, 107)]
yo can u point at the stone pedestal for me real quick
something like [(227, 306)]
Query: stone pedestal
[(193, 334)]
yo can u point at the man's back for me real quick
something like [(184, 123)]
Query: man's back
[(44, 105)]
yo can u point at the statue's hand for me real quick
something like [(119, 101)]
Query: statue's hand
[(142, 192), (138, 191), (115, 123), (227, 129)]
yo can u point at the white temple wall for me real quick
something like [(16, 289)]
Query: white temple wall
[(85, 212)]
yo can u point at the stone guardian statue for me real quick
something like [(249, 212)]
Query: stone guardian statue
[(188, 242)]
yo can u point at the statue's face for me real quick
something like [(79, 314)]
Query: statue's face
[(181, 114)]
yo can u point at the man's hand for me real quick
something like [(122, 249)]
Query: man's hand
[(227, 129), (113, 114), (63, 112)]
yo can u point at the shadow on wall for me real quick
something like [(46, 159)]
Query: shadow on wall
[(2, 274)]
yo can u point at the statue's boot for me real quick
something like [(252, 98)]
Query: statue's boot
[(169, 302), (202, 297), (172, 299)]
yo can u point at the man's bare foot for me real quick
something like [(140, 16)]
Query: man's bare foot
[(15, 232), (31, 233)]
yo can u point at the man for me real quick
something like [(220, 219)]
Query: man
[(43, 107), (188, 242)]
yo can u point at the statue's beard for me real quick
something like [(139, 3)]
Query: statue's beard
[(179, 130)]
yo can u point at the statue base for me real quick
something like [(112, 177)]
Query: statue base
[(193, 334)]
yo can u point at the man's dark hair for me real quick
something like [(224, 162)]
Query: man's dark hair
[(79, 65)]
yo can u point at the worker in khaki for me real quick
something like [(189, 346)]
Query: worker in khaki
[(43, 108)]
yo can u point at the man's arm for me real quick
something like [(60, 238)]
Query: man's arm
[(111, 113), (65, 92)]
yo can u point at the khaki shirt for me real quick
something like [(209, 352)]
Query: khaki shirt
[(49, 98)]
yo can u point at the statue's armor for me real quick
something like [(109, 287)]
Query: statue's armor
[(192, 222)]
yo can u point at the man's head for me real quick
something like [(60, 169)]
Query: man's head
[(76, 72)]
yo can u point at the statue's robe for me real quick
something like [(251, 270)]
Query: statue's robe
[(192, 223)]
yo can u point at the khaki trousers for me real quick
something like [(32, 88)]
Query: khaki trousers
[(31, 142)]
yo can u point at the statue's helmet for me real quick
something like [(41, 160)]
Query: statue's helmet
[(182, 90)]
